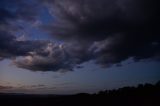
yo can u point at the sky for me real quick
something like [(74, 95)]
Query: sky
[(73, 46)]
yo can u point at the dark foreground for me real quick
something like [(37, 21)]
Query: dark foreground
[(143, 95)]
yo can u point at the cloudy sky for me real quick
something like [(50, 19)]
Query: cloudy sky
[(72, 46)]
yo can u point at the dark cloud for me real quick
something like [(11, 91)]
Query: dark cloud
[(50, 58), (31, 86), (11, 11), (24, 88), (95, 20), (10, 47), (54, 57), (118, 48), (34, 55), (5, 87), (19, 9), (112, 30), (107, 31)]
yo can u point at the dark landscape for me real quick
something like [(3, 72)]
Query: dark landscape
[(142, 95), (79, 52)]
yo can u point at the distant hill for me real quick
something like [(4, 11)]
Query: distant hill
[(142, 95)]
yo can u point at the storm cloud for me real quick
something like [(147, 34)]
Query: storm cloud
[(105, 31), (114, 30), (95, 20), (5, 87)]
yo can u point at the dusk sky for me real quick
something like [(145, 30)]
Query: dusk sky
[(73, 46)]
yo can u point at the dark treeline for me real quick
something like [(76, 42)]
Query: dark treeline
[(142, 95), (141, 89)]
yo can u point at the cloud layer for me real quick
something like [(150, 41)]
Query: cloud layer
[(106, 31), (111, 30)]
